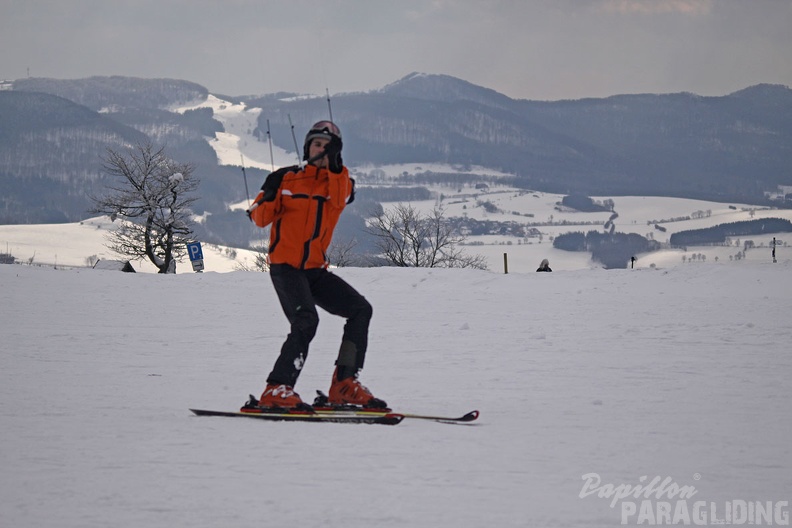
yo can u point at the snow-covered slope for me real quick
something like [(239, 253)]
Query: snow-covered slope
[(80, 244), (681, 374), (238, 143)]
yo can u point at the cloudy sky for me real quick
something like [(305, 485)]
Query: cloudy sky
[(528, 49)]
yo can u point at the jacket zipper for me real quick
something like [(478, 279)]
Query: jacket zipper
[(316, 221)]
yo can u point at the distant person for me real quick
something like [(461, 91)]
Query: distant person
[(544, 266)]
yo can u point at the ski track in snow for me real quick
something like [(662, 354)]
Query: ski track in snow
[(623, 373)]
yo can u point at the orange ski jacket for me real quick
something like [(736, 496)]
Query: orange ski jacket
[(303, 212)]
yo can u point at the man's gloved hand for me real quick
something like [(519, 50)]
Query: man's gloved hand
[(270, 188), (268, 191), (333, 152)]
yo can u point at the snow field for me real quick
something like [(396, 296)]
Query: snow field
[(625, 373)]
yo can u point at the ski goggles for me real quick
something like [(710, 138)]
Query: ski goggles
[(324, 128)]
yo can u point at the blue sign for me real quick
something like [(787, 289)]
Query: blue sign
[(194, 249)]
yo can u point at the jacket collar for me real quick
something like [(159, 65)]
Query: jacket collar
[(313, 170)]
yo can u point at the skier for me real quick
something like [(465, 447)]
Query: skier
[(544, 266), (303, 205)]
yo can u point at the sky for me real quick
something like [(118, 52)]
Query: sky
[(525, 49)]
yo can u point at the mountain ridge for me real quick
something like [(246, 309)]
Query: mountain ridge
[(725, 148)]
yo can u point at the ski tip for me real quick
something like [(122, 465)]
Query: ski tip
[(469, 417), (391, 419)]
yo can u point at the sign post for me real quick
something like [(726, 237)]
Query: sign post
[(196, 256)]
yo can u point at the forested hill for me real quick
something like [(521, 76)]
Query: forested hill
[(734, 147), (50, 151)]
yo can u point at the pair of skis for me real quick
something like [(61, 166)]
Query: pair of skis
[(324, 413)]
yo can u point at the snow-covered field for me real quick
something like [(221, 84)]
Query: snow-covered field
[(679, 374), (637, 214), (82, 243)]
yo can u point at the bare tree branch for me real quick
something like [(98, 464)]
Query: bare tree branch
[(260, 263), (342, 252)]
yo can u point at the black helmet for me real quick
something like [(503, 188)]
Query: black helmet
[(322, 129)]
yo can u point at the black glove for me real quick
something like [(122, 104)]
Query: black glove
[(333, 152), (351, 194), (272, 184)]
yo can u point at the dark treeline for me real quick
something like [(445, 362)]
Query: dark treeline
[(585, 204), (612, 250), (717, 234)]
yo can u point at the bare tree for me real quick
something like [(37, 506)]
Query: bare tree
[(341, 252), (260, 262), (340, 255), (152, 193), (408, 239)]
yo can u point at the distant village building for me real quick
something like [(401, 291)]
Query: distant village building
[(114, 265), (482, 187), (782, 194)]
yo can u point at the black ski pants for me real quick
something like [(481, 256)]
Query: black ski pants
[(300, 292)]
